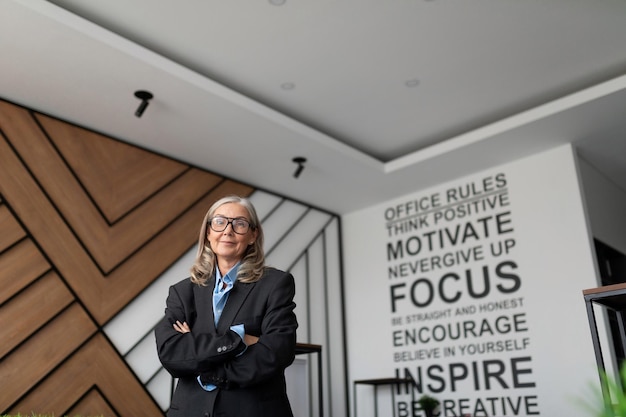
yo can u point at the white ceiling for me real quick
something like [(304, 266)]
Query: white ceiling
[(383, 98)]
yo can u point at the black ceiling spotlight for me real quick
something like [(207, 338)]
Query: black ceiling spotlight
[(145, 97), (300, 161)]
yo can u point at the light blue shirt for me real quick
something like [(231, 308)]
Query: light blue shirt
[(223, 285), (220, 297)]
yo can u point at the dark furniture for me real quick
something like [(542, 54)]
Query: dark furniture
[(304, 348), (612, 297), (393, 383)]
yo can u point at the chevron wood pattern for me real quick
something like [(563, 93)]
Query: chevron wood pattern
[(92, 400), (65, 388), (93, 230), (87, 223)]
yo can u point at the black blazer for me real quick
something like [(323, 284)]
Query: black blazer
[(250, 384)]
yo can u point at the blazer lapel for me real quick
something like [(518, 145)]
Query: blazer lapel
[(204, 305), (237, 296)]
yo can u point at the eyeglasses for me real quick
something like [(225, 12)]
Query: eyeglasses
[(220, 223)]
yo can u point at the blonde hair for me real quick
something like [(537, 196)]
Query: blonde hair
[(253, 262)]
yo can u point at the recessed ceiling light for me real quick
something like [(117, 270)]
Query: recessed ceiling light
[(412, 82), (287, 86), (277, 2)]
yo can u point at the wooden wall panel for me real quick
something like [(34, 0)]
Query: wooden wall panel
[(11, 230), (118, 176), (42, 353), (88, 223), (92, 404), (24, 314), (95, 364), (20, 265)]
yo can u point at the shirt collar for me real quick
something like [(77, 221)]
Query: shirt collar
[(230, 276)]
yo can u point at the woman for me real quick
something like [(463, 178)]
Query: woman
[(229, 331)]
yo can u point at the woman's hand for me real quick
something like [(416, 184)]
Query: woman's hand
[(248, 339), (181, 327)]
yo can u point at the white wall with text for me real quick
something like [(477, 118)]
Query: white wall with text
[(474, 290)]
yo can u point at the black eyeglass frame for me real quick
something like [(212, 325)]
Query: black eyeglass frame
[(229, 221)]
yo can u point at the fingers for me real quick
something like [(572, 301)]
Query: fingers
[(249, 339), (181, 327)]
